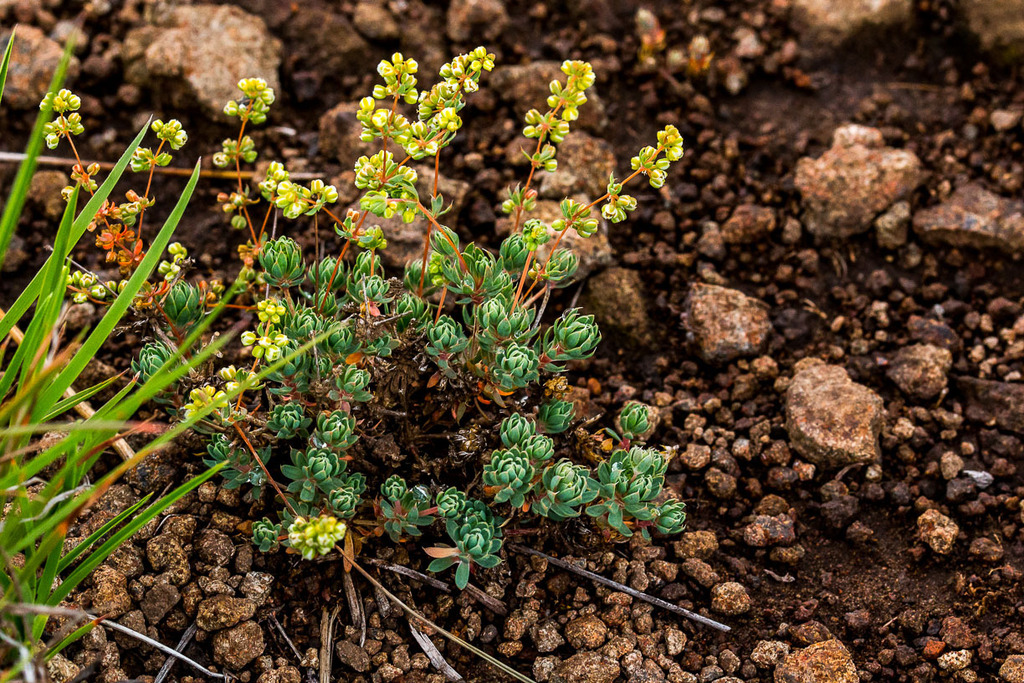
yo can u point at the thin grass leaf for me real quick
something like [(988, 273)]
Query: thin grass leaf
[(31, 291), (70, 638), (47, 311), (124, 299), (95, 536), (66, 404), (68, 510), (19, 190), (100, 554), (6, 61)]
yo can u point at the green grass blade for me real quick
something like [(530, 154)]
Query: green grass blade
[(31, 292), (70, 638), (95, 536), (29, 536), (19, 191), (124, 299), (47, 311), (101, 553), (6, 61), (66, 404)]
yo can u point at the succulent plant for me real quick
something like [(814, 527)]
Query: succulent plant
[(509, 474), (288, 420), (566, 486), (634, 420), (281, 260), (355, 374), (183, 306), (554, 417), (151, 358)]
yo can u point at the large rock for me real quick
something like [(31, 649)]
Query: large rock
[(854, 181), (999, 25), (826, 662), (586, 667), (237, 647), (200, 52), (725, 324), (339, 136), (34, 59), (974, 217), (831, 21), (833, 421), (994, 403), (616, 298), (920, 370), (584, 163), (476, 20)]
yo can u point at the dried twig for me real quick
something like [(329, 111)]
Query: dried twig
[(657, 602), (327, 642), (280, 629), (355, 607), (433, 654), (186, 638), (488, 601), (160, 646), (411, 573)]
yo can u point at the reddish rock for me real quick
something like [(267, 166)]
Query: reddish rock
[(853, 182), (725, 324), (974, 217), (748, 224), (201, 52), (920, 370), (833, 421), (825, 662)]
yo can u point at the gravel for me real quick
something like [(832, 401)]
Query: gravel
[(974, 217), (730, 598), (921, 370), (236, 647), (938, 531), (586, 633)]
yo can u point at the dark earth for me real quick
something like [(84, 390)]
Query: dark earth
[(824, 303)]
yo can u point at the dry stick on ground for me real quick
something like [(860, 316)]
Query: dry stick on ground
[(82, 408), (487, 600), (186, 638), (280, 629), (18, 157), (657, 602), (326, 642), (433, 654), (160, 646), (355, 607)]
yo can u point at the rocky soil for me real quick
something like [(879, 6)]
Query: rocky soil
[(824, 304)]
